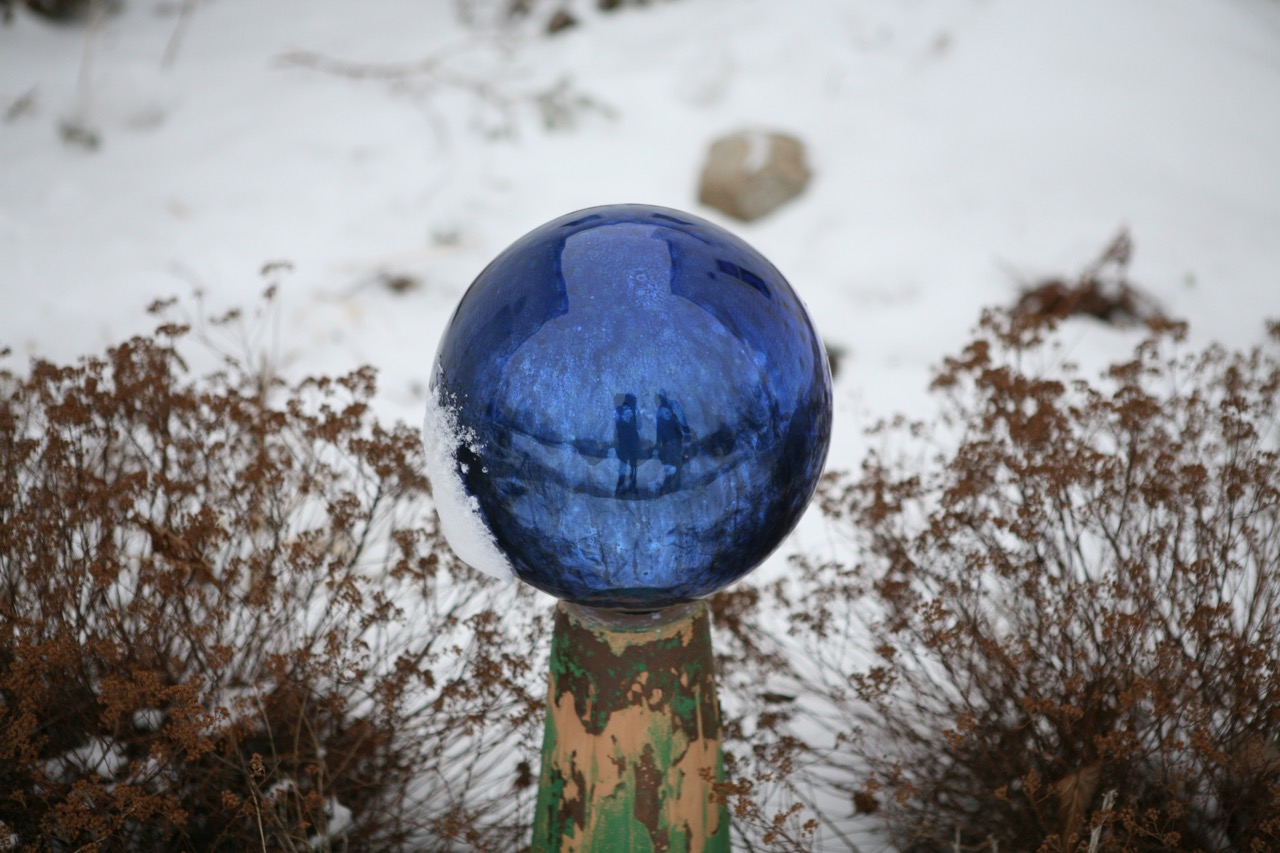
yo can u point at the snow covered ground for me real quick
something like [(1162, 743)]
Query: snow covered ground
[(954, 142), (957, 146), (387, 150)]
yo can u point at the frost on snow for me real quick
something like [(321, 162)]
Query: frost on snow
[(460, 517)]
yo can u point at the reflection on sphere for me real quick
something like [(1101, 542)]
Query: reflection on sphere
[(646, 404)]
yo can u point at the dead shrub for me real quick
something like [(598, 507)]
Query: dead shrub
[(228, 622), (1069, 593), (1102, 291)]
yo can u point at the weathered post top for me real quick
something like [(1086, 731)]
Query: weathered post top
[(631, 750)]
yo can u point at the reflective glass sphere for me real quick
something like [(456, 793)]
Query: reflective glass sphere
[(639, 405)]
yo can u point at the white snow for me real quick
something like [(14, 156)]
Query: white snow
[(148, 719), (951, 140), (955, 144), (97, 757), (460, 517), (339, 821), (759, 145)]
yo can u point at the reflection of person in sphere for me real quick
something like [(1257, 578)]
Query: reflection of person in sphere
[(673, 433), (626, 424)]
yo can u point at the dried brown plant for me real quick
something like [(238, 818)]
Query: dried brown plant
[(1102, 291), (1068, 596), (228, 621)]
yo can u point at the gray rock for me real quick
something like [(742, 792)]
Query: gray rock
[(751, 173)]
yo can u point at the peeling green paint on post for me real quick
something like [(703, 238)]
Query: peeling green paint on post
[(632, 739)]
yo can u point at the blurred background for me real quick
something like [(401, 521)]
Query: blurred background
[(372, 157)]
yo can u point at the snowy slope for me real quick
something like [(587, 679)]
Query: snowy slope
[(955, 144)]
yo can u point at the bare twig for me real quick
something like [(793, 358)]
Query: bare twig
[(1095, 837), (179, 30)]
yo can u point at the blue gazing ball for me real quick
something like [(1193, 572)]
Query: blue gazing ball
[(630, 409)]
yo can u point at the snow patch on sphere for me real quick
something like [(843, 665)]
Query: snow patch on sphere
[(460, 519)]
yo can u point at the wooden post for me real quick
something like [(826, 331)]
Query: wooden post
[(632, 740)]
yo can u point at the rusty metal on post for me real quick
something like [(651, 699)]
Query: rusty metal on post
[(632, 742)]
